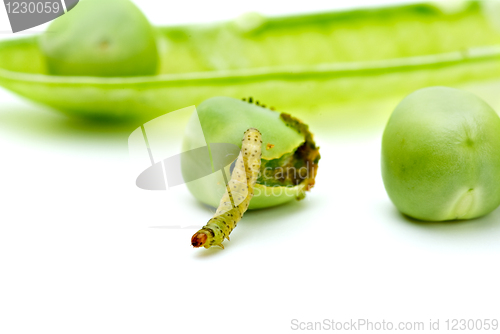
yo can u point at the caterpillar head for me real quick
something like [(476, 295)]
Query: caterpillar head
[(199, 239)]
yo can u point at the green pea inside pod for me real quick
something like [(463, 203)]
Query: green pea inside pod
[(110, 38), (289, 160)]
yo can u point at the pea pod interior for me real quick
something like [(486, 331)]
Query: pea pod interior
[(299, 63)]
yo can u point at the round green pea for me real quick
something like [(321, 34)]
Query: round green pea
[(101, 38), (224, 120), (441, 155)]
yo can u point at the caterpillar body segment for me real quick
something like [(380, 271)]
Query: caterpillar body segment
[(239, 192)]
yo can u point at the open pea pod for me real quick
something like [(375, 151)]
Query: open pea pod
[(299, 63)]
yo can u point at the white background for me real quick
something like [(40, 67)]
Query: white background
[(82, 250)]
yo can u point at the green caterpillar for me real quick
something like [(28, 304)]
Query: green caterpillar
[(239, 192)]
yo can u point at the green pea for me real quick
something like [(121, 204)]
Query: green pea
[(441, 155), (289, 154), (101, 38)]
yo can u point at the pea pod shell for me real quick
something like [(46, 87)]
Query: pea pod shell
[(301, 63)]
